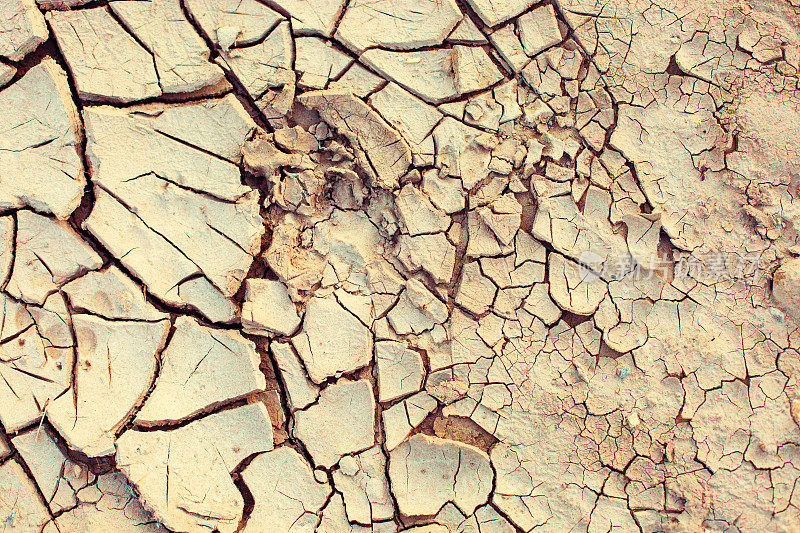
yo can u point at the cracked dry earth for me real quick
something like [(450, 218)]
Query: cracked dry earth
[(399, 265)]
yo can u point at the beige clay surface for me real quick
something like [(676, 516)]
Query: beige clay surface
[(372, 266)]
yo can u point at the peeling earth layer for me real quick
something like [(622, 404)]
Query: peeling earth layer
[(399, 265)]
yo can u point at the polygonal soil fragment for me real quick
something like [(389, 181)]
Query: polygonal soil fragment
[(341, 422), (300, 390), (400, 370), (110, 294), (201, 368), (265, 70), (107, 63), (574, 288), (401, 418), (184, 475), (436, 75), (539, 30), (19, 502), (397, 25), (182, 60), (109, 504), (317, 62), (417, 310), (267, 309), (36, 359), (233, 22), (434, 254), (160, 144), (23, 29), (317, 16), (158, 194), (647, 135), (362, 480), (287, 494), (153, 259), (427, 472), (48, 254), (493, 12), (116, 364), (57, 477), (412, 117), (332, 341), (40, 162)]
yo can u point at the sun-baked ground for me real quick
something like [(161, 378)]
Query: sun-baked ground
[(383, 265)]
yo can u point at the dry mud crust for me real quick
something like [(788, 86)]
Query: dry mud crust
[(376, 266)]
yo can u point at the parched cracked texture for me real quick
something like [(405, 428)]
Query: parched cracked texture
[(467, 266)]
